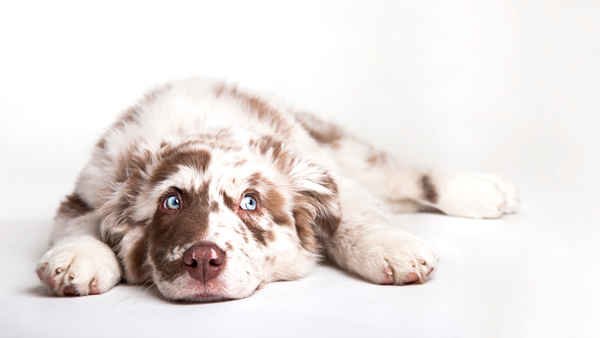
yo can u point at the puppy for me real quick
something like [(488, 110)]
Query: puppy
[(210, 192)]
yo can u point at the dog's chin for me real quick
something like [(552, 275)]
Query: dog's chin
[(189, 290), (205, 297)]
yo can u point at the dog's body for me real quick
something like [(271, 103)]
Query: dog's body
[(210, 193)]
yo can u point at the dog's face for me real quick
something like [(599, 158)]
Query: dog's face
[(216, 217)]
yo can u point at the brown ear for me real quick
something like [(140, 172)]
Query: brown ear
[(317, 210)]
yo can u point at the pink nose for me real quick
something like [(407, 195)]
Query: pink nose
[(204, 261)]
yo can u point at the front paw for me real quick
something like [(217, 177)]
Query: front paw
[(391, 256), (82, 266), (477, 196)]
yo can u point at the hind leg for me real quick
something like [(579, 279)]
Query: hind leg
[(412, 189)]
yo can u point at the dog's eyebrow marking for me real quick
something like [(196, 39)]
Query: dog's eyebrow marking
[(228, 201), (198, 159), (429, 191)]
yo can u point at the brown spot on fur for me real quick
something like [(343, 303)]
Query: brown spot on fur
[(268, 143), (274, 202), (323, 132), (317, 214), (379, 158), (239, 164), (197, 159), (138, 269), (271, 236), (101, 143), (257, 233), (304, 221), (429, 192), (73, 206), (229, 203)]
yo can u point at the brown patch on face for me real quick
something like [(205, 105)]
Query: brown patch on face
[(251, 219), (173, 228), (229, 202), (274, 203), (258, 233), (73, 206), (429, 191), (197, 159), (323, 132), (271, 236), (137, 268)]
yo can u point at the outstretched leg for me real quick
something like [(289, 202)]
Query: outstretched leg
[(366, 245), (411, 189), (78, 262)]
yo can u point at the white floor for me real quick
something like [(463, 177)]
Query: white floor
[(530, 274), (505, 87)]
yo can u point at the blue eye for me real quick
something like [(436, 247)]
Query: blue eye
[(172, 203), (248, 203)]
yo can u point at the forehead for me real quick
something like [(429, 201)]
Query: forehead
[(214, 170)]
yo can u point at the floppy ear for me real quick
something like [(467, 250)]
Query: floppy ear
[(316, 210)]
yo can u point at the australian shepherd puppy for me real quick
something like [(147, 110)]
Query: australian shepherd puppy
[(210, 192)]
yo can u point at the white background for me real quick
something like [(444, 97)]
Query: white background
[(506, 87)]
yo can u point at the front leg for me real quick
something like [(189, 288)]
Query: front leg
[(78, 263), (366, 245)]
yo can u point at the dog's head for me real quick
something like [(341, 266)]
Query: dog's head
[(217, 216)]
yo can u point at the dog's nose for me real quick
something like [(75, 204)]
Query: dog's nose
[(204, 261)]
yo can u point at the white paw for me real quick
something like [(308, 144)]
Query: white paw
[(477, 196), (391, 256), (82, 266)]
